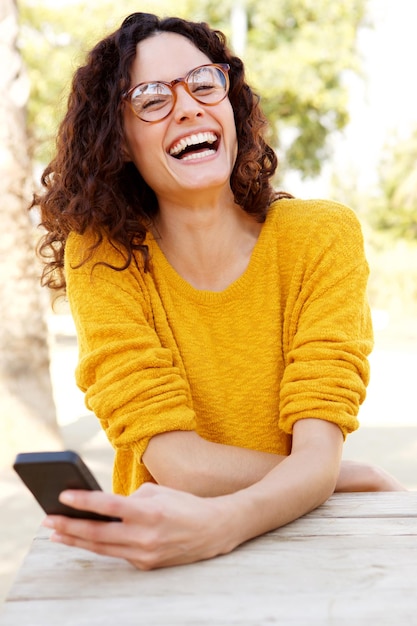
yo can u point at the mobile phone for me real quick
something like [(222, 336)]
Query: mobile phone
[(46, 474)]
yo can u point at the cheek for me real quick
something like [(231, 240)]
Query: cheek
[(140, 150), (149, 162)]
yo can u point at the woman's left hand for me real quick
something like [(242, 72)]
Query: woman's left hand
[(160, 526)]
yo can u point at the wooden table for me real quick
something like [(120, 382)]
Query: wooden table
[(352, 561)]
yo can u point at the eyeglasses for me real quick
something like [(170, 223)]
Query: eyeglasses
[(153, 102)]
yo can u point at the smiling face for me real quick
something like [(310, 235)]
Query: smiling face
[(192, 151)]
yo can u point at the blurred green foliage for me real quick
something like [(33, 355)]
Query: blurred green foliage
[(54, 39), (393, 278), (395, 209), (297, 53), (388, 213)]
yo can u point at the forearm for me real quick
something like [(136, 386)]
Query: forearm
[(285, 494), (185, 461), (301, 483)]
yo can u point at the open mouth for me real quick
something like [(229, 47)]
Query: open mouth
[(196, 146)]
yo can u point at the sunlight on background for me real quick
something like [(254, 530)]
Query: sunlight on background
[(383, 103)]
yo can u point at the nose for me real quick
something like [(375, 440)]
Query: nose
[(185, 106)]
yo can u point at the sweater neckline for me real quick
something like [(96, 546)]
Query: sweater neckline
[(165, 273)]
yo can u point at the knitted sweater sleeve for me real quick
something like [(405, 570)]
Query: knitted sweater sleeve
[(132, 382), (327, 325)]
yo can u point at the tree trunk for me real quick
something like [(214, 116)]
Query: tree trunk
[(27, 414)]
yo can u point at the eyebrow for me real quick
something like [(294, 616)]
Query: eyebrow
[(174, 80)]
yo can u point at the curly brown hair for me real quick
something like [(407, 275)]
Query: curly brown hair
[(89, 184)]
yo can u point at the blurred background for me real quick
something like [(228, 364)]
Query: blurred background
[(336, 80)]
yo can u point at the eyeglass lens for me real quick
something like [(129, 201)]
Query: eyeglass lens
[(207, 84)]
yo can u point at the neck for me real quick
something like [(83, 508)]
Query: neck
[(208, 245)]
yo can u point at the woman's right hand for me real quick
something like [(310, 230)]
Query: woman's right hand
[(160, 526)]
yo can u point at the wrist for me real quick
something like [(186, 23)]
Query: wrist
[(228, 522), (233, 519)]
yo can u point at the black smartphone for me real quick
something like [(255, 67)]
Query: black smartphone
[(46, 474)]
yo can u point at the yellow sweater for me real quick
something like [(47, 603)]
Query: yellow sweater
[(288, 340)]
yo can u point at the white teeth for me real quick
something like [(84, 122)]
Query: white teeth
[(198, 155), (192, 140)]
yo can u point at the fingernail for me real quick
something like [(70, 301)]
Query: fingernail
[(66, 497), (48, 523)]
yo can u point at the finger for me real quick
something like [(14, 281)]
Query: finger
[(98, 532), (106, 549), (95, 502), (137, 555), (140, 557), (87, 530), (141, 507)]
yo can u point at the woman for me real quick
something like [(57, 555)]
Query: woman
[(223, 327)]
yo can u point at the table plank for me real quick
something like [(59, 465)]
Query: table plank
[(347, 580), (323, 569), (306, 609), (378, 504), (304, 560)]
